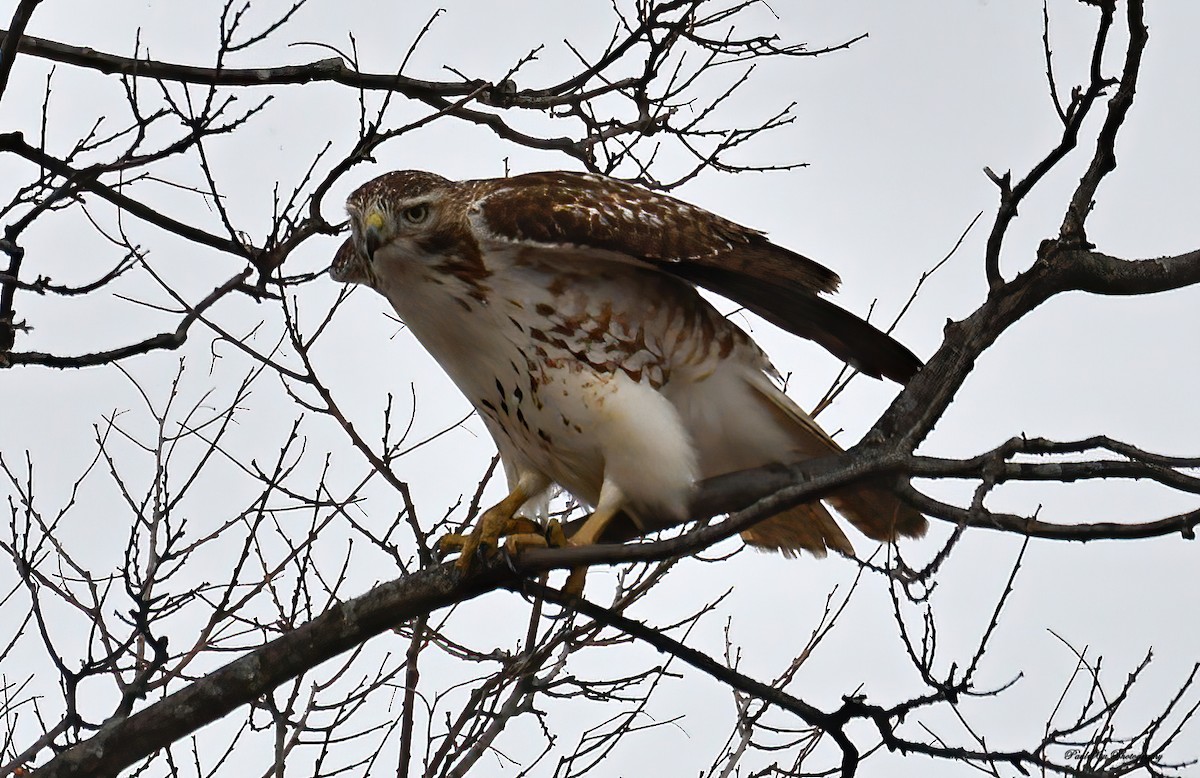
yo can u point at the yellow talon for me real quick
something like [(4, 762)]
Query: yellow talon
[(494, 525), (498, 521), (515, 544), (555, 537), (448, 544)]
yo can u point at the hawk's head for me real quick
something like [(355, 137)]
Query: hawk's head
[(400, 215)]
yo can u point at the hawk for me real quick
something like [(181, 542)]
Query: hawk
[(564, 306)]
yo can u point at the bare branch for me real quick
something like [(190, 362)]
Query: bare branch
[(10, 41)]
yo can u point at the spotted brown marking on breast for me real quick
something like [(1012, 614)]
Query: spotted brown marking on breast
[(503, 396), (467, 267), (559, 284)]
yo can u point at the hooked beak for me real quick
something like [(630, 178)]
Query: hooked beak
[(372, 234)]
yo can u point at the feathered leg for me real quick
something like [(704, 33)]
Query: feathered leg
[(608, 506)]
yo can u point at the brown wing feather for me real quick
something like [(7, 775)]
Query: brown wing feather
[(802, 313), (734, 261), (590, 210)]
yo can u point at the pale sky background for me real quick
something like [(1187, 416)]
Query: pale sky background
[(896, 132)]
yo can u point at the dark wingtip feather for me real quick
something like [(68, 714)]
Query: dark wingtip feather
[(765, 262), (799, 311)]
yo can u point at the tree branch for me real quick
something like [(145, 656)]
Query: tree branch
[(1104, 161), (164, 340), (1012, 195), (10, 42)]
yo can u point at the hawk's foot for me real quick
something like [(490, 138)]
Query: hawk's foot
[(493, 525), (448, 544), (550, 537), (515, 544)]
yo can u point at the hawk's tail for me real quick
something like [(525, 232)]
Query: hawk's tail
[(876, 512)]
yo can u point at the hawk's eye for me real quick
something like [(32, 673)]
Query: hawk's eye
[(416, 214)]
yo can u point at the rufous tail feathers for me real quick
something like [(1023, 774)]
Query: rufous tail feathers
[(875, 512)]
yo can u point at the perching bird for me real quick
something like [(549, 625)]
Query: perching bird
[(563, 306)]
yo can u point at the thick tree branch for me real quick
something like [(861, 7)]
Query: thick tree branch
[(10, 42), (343, 626), (923, 401), (1092, 271)]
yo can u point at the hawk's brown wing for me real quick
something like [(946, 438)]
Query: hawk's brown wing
[(736, 262)]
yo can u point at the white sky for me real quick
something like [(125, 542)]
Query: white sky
[(896, 133)]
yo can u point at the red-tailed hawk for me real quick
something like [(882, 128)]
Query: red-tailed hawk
[(563, 306)]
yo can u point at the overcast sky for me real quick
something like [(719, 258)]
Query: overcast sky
[(894, 133)]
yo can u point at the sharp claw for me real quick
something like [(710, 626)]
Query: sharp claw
[(526, 533), (555, 536), (484, 537), (448, 544), (508, 558)]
